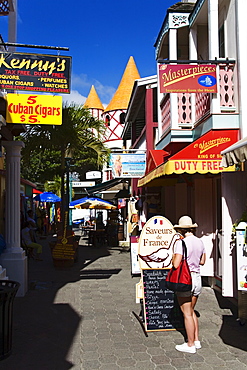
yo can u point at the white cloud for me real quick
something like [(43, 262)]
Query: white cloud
[(73, 97), (83, 84)]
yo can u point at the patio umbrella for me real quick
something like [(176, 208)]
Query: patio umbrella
[(47, 196), (91, 203)]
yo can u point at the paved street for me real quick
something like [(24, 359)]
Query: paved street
[(81, 318)]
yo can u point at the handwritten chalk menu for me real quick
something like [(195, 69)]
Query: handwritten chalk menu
[(160, 305)]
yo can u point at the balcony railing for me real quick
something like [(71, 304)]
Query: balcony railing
[(202, 101)]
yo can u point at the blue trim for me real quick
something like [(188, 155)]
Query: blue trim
[(195, 11)]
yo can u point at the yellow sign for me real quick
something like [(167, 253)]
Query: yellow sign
[(34, 109)]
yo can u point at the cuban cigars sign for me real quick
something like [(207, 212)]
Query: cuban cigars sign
[(35, 72), (34, 109), (187, 78)]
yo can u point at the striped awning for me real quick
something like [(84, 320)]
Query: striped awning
[(235, 153)]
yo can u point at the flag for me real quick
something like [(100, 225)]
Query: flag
[(121, 203), (158, 221)]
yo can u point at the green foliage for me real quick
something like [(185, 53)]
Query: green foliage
[(46, 146), (54, 186)]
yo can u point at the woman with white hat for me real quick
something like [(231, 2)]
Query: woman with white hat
[(187, 300)]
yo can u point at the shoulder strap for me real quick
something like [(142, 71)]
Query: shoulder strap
[(184, 249)]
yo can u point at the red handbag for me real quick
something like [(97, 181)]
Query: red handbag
[(179, 279)]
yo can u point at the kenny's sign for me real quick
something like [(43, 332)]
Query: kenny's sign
[(35, 72)]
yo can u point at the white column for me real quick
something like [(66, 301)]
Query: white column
[(193, 56), (13, 258), (173, 96), (213, 42)]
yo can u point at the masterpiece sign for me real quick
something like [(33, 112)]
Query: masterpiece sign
[(181, 78), (35, 72), (34, 109)]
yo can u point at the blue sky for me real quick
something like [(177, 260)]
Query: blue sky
[(100, 35)]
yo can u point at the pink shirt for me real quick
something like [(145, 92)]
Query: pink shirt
[(195, 250)]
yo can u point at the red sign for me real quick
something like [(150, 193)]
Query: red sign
[(208, 146), (187, 78)]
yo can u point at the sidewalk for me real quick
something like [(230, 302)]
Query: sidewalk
[(81, 318)]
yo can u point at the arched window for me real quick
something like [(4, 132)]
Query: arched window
[(122, 118), (107, 120)]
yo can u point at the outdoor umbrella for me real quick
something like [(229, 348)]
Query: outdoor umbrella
[(91, 203), (47, 196)]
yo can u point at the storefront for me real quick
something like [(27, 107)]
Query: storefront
[(190, 182)]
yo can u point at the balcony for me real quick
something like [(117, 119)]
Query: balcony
[(192, 108)]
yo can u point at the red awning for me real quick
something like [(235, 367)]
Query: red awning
[(155, 158), (36, 191), (201, 156)]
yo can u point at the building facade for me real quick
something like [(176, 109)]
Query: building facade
[(194, 127)]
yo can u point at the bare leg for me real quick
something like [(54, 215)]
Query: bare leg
[(185, 304), (194, 300)]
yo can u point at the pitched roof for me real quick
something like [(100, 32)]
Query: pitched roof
[(121, 97), (93, 100)]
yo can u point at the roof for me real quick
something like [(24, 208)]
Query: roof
[(93, 101), (104, 186), (181, 7), (121, 97), (136, 108)]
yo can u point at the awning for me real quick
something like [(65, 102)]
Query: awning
[(235, 153), (202, 156), (104, 186), (154, 159)]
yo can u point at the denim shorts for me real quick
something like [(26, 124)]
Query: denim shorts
[(196, 286)]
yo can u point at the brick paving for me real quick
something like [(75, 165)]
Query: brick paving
[(81, 318)]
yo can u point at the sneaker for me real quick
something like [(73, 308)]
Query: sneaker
[(185, 348), (198, 344)]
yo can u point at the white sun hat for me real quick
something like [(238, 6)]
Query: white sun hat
[(185, 222)]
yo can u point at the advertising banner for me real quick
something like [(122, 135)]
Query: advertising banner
[(128, 165), (34, 109), (241, 255), (35, 72), (187, 78)]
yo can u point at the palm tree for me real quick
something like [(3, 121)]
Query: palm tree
[(79, 132)]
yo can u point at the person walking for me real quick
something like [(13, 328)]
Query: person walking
[(196, 256)]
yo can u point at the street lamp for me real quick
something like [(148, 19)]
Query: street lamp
[(67, 213)]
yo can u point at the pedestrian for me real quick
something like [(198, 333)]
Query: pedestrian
[(196, 256), (28, 242)]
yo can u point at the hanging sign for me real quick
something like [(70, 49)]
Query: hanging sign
[(34, 109), (35, 72), (187, 78), (128, 165)]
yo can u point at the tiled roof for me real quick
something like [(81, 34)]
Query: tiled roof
[(121, 97), (93, 100)]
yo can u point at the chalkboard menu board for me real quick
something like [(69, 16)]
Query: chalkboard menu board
[(160, 305)]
